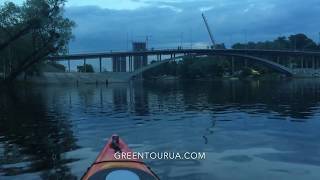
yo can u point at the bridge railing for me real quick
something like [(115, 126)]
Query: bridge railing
[(193, 48)]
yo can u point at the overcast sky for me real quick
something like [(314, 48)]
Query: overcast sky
[(111, 24)]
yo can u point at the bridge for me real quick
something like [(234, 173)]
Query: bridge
[(295, 63)]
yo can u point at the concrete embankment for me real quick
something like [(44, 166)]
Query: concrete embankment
[(78, 78), (116, 77), (306, 73)]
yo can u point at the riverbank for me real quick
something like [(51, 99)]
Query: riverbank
[(112, 77), (76, 78), (176, 78)]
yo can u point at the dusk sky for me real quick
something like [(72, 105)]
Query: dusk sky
[(112, 24)]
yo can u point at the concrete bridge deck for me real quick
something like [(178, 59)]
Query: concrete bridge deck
[(185, 51), (269, 58)]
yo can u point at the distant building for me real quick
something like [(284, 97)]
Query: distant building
[(119, 64), (139, 61), (139, 46)]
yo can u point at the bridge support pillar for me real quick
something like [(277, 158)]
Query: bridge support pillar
[(232, 65), (130, 63), (291, 64), (85, 65), (69, 69), (100, 64), (119, 64), (245, 63), (278, 60)]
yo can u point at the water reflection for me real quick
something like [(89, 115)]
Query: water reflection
[(140, 100), (56, 132), (293, 98), (34, 137), (120, 99)]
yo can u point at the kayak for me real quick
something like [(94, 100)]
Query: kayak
[(109, 166)]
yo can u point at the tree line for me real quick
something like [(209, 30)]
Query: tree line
[(293, 42)]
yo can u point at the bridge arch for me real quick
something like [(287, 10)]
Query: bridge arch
[(275, 66)]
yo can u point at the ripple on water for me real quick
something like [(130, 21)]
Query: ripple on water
[(245, 134)]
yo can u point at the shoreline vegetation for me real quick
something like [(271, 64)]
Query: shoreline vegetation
[(29, 33), (191, 68), (208, 68)]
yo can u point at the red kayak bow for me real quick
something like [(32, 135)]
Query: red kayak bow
[(109, 165)]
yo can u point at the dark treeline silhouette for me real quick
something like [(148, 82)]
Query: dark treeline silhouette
[(293, 42), (190, 68), (29, 33), (211, 67), (87, 68)]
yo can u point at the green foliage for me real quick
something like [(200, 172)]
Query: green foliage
[(88, 69), (32, 31), (10, 16), (293, 42), (203, 67), (246, 72), (191, 68), (164, 69), (302, 42)]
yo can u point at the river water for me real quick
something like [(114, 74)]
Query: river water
[(248, 129)]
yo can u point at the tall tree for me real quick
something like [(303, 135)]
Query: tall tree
[(302, 42), (31, 32)]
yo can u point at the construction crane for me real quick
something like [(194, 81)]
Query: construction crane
[(209, 31)]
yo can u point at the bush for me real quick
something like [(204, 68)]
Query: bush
[(88, 69)]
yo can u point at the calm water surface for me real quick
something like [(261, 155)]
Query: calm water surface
[(249, 129)]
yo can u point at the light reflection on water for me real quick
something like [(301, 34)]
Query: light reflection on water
[(249, 129)]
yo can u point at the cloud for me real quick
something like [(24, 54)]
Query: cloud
[(171, 22), (110, 4)]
